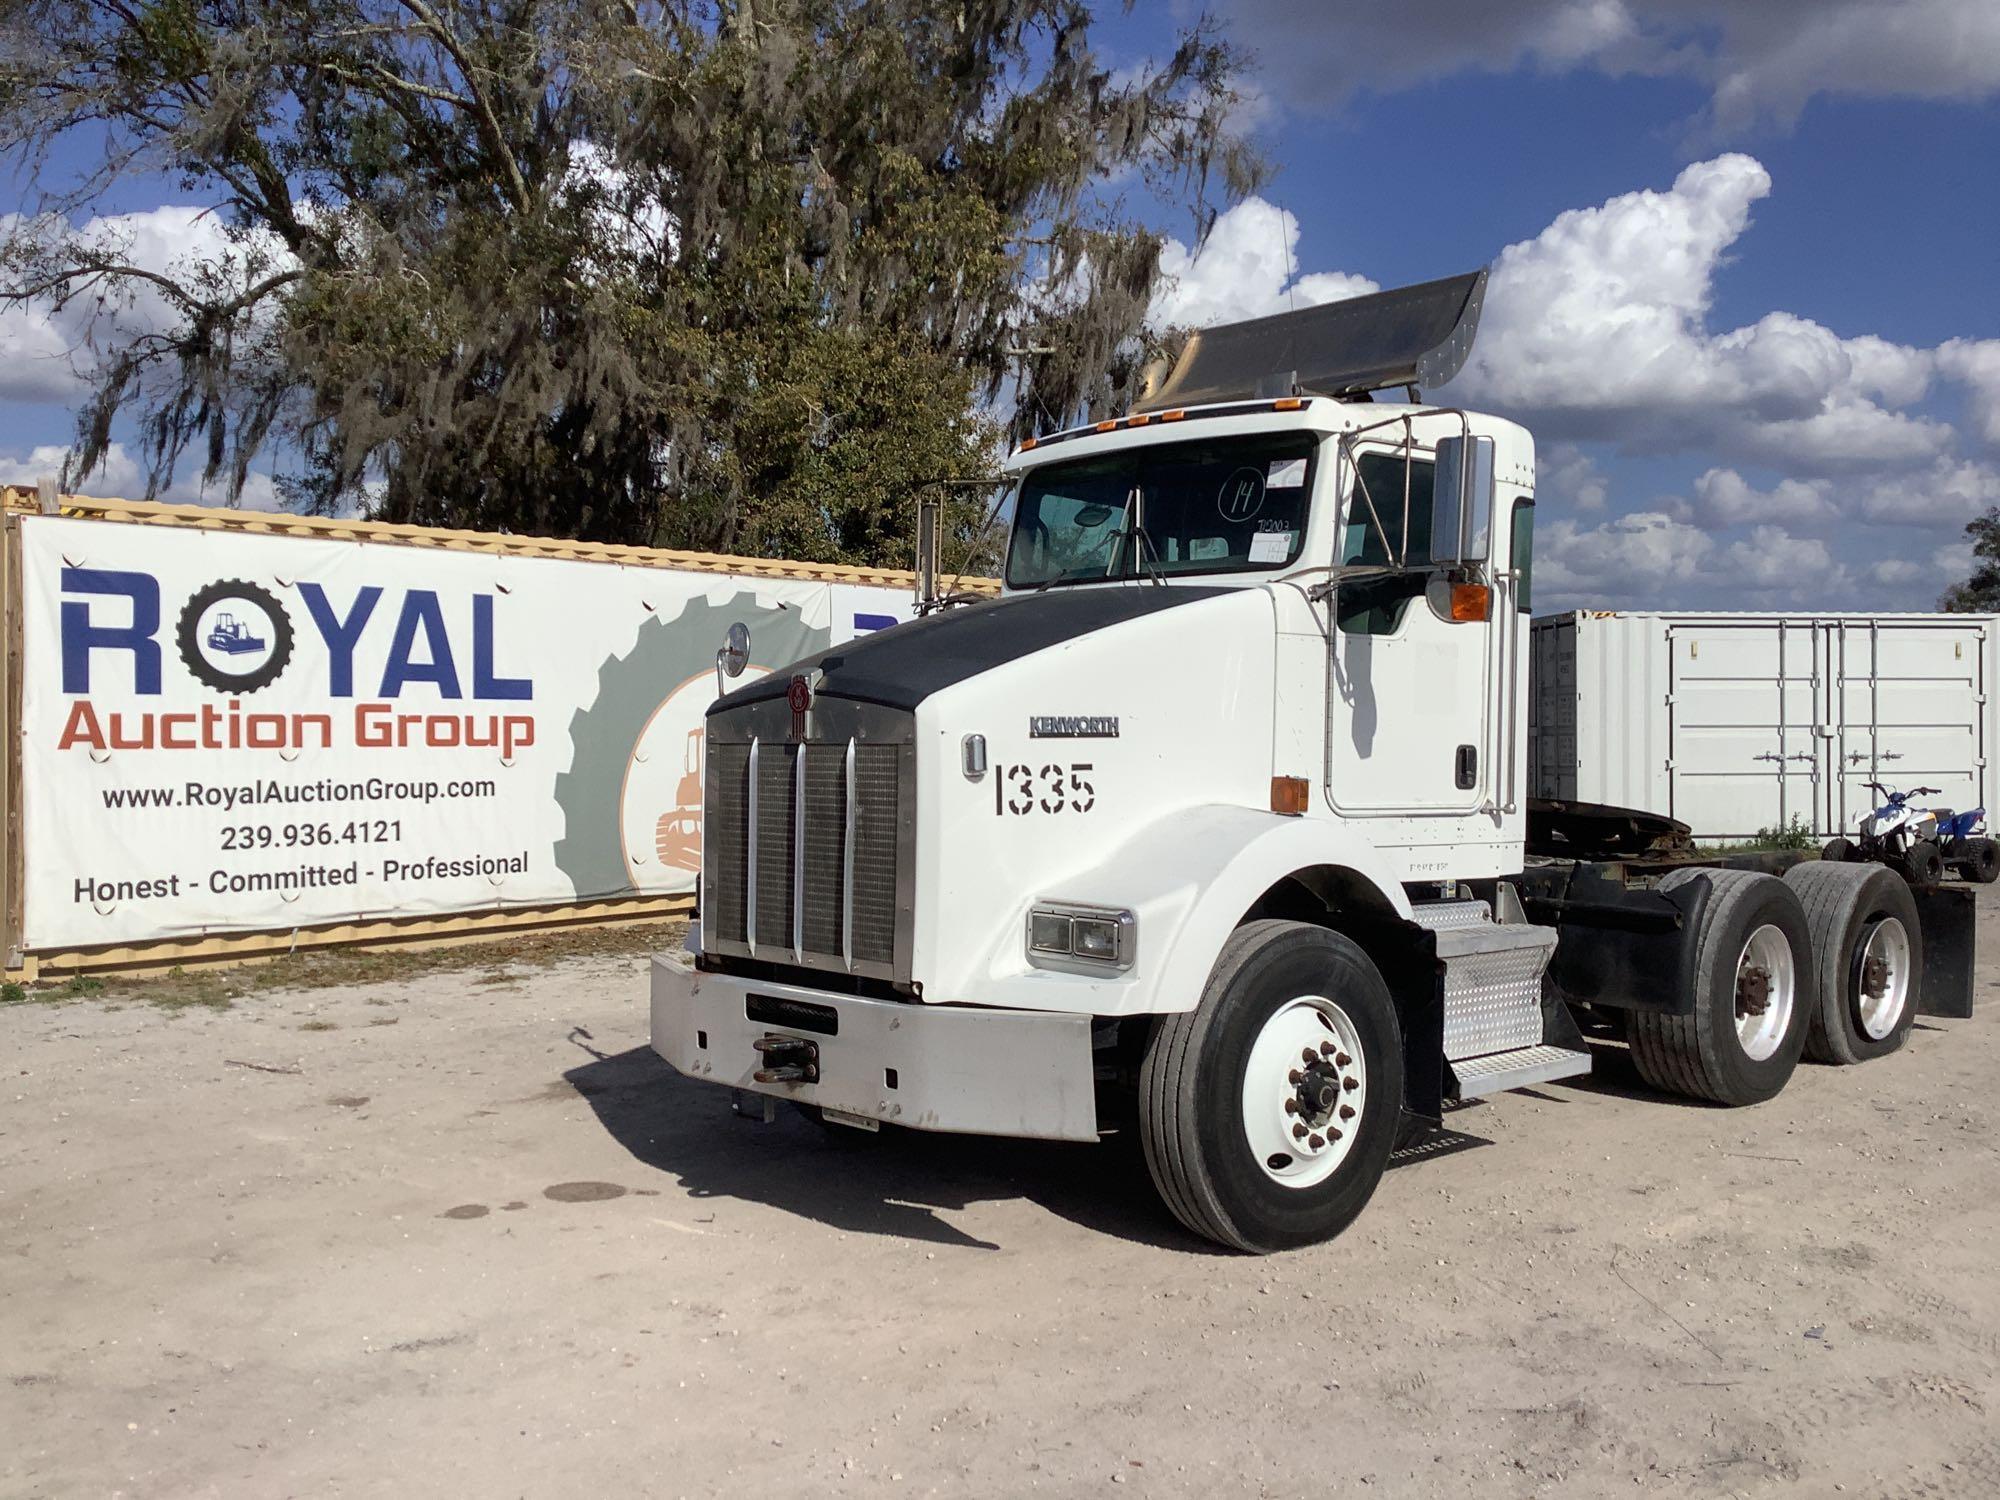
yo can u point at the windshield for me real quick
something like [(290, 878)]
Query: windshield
[(1227, 505)]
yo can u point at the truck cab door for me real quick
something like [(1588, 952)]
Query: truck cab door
[(1410, 692)]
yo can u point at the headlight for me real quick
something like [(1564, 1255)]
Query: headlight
[(1085, 939)]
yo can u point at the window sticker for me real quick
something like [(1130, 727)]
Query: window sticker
[(1241, 495), (1286, 474), (1271, 546)]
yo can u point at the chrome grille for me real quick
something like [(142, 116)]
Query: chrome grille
[(807, 847)]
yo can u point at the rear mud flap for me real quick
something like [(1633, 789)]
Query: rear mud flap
[(1946, 914)]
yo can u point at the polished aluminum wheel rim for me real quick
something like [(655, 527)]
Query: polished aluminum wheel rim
[(1882, 980), (1766, 991)]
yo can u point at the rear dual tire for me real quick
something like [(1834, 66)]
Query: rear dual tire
[(1295, 1032), (1868, 959), (1754, 993)]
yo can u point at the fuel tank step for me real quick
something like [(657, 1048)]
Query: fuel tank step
[(1493, 986), (1499, 1071)]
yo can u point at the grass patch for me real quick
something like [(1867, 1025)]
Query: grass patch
[(12, 993), (1797, 835), (219, 989), (318, 1026)]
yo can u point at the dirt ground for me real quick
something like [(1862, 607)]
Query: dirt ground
[(463, 1234)]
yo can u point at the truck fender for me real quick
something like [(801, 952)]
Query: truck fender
[(1193, 877)]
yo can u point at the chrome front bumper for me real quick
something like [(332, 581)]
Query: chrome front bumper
[(930, 1067)]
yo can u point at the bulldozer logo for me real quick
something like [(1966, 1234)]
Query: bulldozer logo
[(631, 798), (234, 636)]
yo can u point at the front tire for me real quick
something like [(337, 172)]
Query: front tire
[(1868, 954), (1754, 993), (1252, 1142)]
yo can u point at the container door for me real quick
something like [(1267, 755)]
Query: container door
[(1745, 747), (1912, 711)]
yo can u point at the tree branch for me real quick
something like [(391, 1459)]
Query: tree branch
[(489, 123)]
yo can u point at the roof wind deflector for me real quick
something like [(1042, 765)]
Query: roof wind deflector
[(1414, 335)]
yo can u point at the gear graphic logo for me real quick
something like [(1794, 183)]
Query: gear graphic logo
[(631, 798), (234, 636)]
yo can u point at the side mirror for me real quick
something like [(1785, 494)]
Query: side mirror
[(734, 655), (1462, 501)]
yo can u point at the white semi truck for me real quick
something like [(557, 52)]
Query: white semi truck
[(1213, 824)]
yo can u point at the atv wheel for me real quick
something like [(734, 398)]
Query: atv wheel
[(1980, 861), (1838, 851), (1868, 957), (1268, 1111), (1923, 864)]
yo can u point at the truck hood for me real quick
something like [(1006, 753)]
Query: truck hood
[(902, 666)]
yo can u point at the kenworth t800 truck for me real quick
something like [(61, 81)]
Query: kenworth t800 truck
[(1213, 822)]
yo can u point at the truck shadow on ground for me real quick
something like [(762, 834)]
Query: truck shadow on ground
[(896, 1183)]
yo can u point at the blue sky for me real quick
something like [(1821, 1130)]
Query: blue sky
[(1746, 266)]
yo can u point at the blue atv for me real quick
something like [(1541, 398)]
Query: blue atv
[(1921, 843)]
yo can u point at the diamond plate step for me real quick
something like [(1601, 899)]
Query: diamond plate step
[(1443, 916), (1499, 1071), (1493, 987)]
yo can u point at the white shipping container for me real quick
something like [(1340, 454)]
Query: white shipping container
[(1734, 723)]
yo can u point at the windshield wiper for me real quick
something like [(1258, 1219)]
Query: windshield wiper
[(1068, 575)]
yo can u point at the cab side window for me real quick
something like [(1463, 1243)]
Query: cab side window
[(1376, 606), (1523, 553)]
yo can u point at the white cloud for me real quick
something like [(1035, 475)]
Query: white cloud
[(1244, 269), (1724, 497), (1597, 328), (47, 351), (1897, 572), (1651, 559), (1975, 363), (119, 476), (1762, 60), (1624, 559), (1947, 494), (1569, 476)]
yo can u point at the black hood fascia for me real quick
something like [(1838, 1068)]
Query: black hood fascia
[(903, 665)]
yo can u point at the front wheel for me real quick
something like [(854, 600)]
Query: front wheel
[(1268, 1111)]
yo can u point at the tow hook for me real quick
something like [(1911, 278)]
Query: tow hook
[(787, 1059)]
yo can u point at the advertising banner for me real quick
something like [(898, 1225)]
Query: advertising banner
[(235, 733)]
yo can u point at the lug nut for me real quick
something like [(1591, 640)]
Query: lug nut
[(1299, 1132), (1291, 1106), (1346, 1111), (1350, 1084), (1316, 1142), (1342, 1060), (1310, 1056), (1295, 1077), (1333, 1135), (1327, 1049)]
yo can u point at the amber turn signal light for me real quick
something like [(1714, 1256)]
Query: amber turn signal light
[(1470, 602), (1289, 794)]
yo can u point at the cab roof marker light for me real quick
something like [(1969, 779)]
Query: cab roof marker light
[(1110, 426), (1139, 421), (1175, 415), (1288, 403), (1027, 443)]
